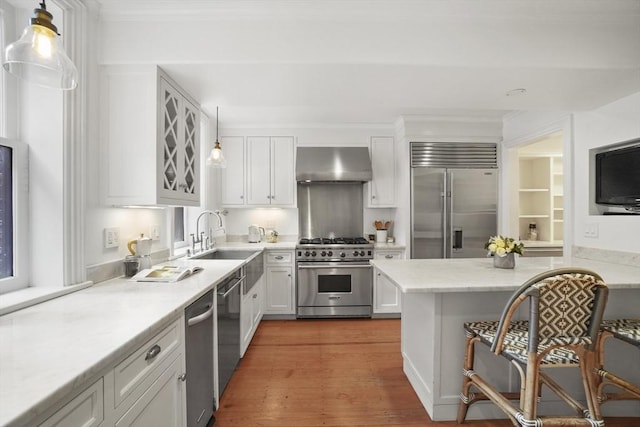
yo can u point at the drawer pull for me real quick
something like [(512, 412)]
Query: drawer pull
[(153, 352), (279, 257), (388, 256), (182, 377)]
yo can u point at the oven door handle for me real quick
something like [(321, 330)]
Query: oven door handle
[(339, 265)]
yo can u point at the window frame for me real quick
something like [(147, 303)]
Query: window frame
[(20, 176)]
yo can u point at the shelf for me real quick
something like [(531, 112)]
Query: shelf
[(534, 216), (532, 190), (558, 209), (558, 221)]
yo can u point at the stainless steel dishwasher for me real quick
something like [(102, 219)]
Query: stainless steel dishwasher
[(199, 360), (228, 305)]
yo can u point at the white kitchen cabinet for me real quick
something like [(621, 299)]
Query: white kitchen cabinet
[(381, 189), (280, 289), (145, 389), (150, 139), (162, 404), (251, 311), (270, 171), (148, 385), (386, 296), (86, 409), (233, 176)]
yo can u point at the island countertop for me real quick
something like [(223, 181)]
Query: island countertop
[(479, 274)]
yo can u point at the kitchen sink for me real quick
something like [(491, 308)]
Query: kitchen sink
[(226, 254)]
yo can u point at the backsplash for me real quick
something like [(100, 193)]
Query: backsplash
[(616, 257)]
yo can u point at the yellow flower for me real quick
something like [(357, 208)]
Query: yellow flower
[(492, 247), (501, 251), (500, 243)]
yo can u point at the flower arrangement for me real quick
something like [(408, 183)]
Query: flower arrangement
[(501, 246)]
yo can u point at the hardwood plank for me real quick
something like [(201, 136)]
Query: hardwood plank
[(330, 372)]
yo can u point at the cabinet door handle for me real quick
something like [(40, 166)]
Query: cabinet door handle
[(182, 377), (373, 197), (255, 296), (388, 256), (153, 352)]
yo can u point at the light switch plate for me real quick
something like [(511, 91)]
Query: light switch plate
[(155, 232), (111, 237)]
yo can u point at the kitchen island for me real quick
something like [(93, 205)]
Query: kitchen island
[(438, 296)]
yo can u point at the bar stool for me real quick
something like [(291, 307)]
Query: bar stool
[(565, 312), (627, 330)]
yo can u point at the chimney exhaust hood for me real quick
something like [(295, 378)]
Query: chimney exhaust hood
[(333, 164)]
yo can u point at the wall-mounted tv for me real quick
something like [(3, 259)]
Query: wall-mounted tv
[(618, 177)]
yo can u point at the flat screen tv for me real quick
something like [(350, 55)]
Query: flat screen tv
[(618, 177)]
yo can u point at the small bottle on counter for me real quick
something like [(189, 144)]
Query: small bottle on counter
[(533, 232)]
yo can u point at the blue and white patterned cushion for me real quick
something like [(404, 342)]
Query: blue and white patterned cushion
[(516, 341), (625, 329)]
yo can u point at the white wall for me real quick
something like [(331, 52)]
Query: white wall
[(610, 124)]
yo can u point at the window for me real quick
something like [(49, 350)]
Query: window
[(14, 196), (6, 212)]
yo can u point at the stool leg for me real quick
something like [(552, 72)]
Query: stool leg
[(465, 395)]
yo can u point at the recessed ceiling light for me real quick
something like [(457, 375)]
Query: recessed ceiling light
[(516, 92)]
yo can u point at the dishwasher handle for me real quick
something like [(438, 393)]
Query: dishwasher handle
[(201, 317), (224, 294)]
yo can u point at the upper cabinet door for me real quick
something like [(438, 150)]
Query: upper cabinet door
[(282, 171), (270, 171), (178, 150), (233, 176), (258, 170), (382, 186)]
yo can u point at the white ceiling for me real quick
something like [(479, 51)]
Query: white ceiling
[(301, 62)]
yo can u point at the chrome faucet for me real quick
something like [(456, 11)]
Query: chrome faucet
[(199, 236)]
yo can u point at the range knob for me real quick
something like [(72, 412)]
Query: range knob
[(307, 253), (313, 253), (342, 254), (323, 253), (330, 253), (361, 253), (355, 253)]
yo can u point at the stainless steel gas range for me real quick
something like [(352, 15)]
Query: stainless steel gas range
[(334, 277)]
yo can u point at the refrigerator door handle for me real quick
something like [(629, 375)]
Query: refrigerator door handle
[(447, 228), (457, 238)]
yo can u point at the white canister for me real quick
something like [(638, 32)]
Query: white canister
[(381, 236)]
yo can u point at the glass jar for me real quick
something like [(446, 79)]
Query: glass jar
[(533, 231)]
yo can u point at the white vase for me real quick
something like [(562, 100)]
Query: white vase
[(507, 261), (381, 236)]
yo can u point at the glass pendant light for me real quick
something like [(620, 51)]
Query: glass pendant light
[(38, 56), (216, 158)]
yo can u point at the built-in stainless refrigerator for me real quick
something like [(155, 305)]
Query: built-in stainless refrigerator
[(453, 209)]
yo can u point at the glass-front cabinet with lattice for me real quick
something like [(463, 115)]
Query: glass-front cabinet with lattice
[(150, 139)]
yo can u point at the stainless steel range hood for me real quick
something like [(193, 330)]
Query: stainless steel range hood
[(333, 164)]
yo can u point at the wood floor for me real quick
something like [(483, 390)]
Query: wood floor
[(341, 372)]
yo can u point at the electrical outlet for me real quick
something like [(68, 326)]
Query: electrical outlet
[(111, 237), (591, 230), (155, 232)]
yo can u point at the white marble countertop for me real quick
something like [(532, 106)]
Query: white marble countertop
[(479, 274), (49, 348)]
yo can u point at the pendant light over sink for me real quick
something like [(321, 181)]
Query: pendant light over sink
[(216, 158), (38, 56)]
